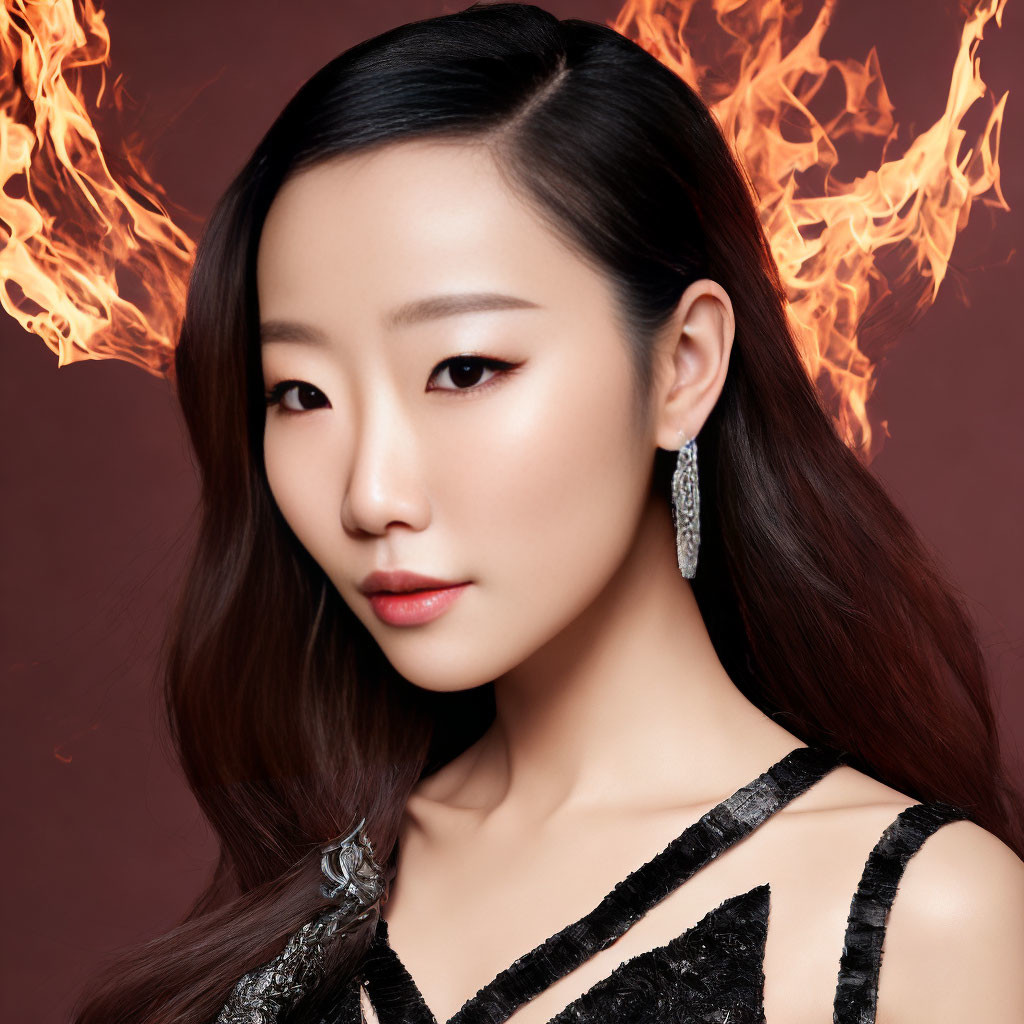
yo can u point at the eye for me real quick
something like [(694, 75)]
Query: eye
[(464, 372), (296, 396)]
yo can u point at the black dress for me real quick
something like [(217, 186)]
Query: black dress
[(710, 974)]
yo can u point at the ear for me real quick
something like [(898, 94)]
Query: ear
[(691, 362)]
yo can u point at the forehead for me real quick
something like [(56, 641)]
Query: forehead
[(376, 229)]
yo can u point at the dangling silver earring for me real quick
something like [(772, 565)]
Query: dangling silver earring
[(355, 883), (686, 508)]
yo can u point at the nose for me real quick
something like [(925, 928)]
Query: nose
[(385, 484)]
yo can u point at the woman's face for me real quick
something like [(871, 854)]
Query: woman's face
[(488, 441)]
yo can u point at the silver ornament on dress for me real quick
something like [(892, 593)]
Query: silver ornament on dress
[(355, 882)]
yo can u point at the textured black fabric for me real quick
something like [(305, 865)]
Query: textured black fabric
[(710, 974), (861, 959)]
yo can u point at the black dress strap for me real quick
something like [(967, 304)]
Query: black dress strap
[(725, 824), (396, 996), (857, 989)]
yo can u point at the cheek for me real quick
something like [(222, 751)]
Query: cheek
[(300, 485), (556, 488)]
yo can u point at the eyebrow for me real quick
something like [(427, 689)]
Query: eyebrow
[(435, 307)]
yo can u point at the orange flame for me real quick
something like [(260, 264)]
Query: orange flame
[(78, 242), (828, 243), (77, 238)]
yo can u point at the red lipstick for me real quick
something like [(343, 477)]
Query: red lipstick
[(403, 598)]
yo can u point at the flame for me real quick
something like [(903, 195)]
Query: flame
[(830, 242), (850, 252), (78, 241)]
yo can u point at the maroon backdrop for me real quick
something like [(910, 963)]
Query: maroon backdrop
[(103, 844)]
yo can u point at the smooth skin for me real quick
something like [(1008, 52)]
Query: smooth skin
[(617, 725)]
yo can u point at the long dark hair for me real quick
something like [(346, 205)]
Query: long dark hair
[(822, 602)]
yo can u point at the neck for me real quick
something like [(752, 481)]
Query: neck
[(628, 704)]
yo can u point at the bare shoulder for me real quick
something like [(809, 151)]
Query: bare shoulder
[(962, 875), (963, 881), (954, 938)]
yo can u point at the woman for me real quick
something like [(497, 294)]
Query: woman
[(458, 326)]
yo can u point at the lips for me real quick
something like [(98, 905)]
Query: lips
[(402, 581), (401, 597), (416, 607)]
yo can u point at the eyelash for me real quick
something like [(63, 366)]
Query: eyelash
[(274, 395)]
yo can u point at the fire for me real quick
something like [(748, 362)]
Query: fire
[(848, 252), (80, 237)]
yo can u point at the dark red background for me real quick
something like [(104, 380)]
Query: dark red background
[(102, 843)]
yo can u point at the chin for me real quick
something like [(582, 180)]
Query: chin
[(447, 667)]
